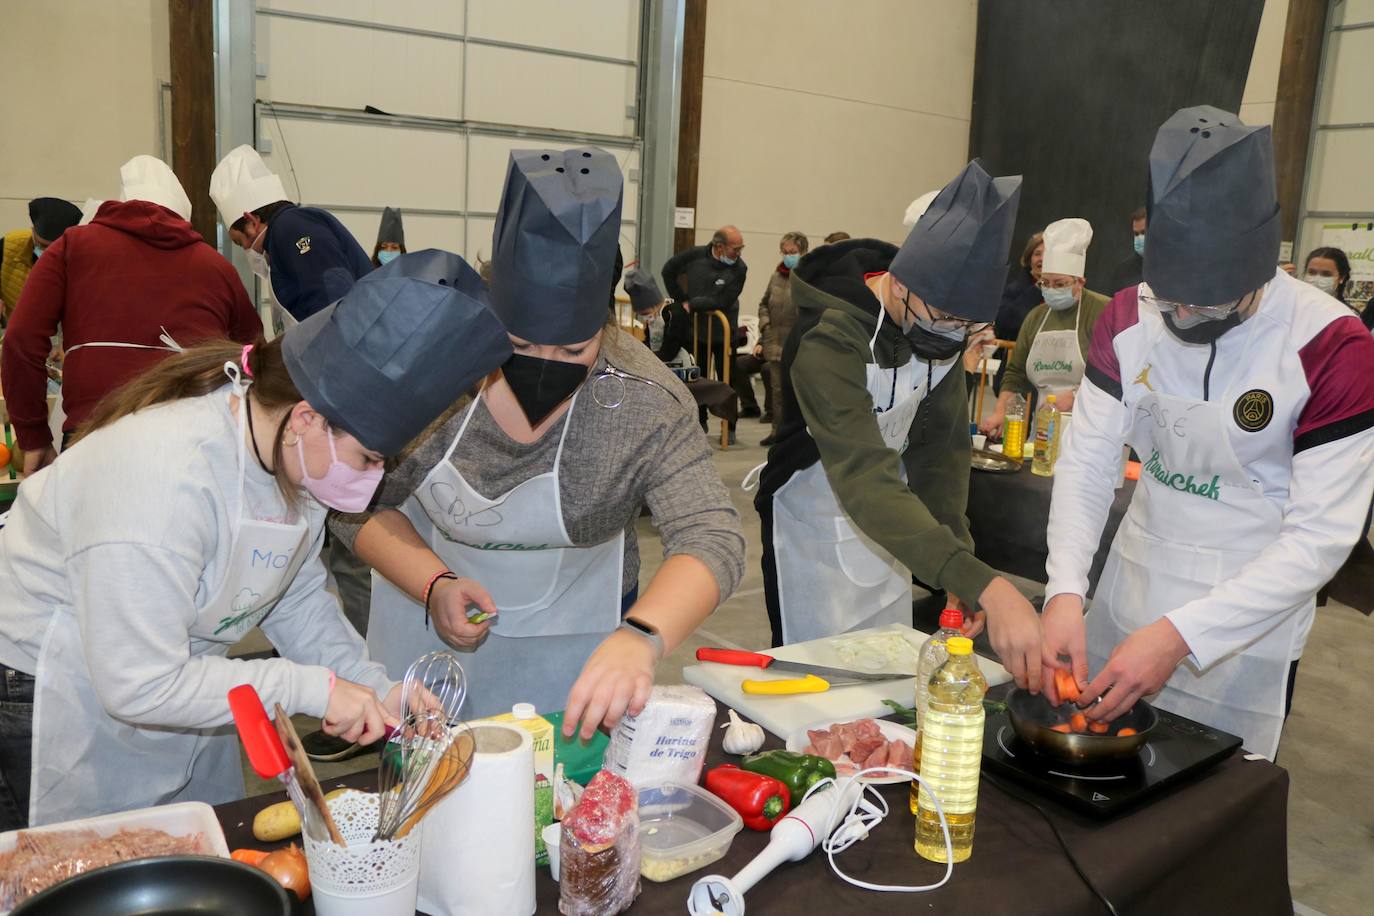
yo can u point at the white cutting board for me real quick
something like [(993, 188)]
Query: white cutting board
[(784, 715)]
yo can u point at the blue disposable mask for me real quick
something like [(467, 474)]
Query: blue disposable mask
[(1059, 299), (728, 262), (1138, 242), (790, 261), (386, 256), (37, 250)]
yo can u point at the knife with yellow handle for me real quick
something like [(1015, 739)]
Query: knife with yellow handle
[(817, 679)]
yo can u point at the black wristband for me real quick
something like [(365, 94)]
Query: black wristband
[(429, 592)]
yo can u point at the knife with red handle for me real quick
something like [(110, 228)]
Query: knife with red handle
[(834, 676)]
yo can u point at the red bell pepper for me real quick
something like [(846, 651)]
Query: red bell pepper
[(760, 800)]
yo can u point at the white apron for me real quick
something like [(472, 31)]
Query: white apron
[(832, 578), (86, 762), (557, 601), (1196, 518), (1055, 360)]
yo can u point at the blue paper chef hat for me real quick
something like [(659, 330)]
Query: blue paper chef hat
[(554, 247), (1214, 227), (642, 289), (955, 257), (400, 346)]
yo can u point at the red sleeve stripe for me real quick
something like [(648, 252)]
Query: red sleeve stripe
[(1339, 365), (1103, 368)]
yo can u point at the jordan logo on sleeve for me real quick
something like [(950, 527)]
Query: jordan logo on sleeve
[(1144, 377)]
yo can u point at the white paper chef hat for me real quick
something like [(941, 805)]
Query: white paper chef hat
[(1066, 246), (242, 183), (918, 208), (88, 210), (149, 178)]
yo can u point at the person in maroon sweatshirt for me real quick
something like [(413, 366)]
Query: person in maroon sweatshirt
[(125, 291)]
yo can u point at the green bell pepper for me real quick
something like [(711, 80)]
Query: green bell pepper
[(798, 772)]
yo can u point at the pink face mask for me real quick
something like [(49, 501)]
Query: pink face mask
[(342, 487)]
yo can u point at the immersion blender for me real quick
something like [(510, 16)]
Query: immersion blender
[(792, 838)]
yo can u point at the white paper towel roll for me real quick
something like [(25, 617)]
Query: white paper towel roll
[(477, 857)]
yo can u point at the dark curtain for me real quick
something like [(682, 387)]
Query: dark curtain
[(1069, 94)]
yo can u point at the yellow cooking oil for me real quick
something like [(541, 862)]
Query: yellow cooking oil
[(1014, 428), (951, 750), (1048, 426)]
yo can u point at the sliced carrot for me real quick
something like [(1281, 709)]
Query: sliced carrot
[(1065, 684), (1098, 728), (1078, 722), (1061, 728), (1125, 733), (249, 856)]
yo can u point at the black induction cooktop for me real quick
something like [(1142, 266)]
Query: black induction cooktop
[(1179, 750)]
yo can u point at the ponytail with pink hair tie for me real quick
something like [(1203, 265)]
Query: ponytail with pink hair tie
[(243, 360)]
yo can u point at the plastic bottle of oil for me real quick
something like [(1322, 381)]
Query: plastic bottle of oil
[(1047, 428), (1014, 428), (951, 750), (933, 655)]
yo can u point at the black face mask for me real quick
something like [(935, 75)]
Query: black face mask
[(933, 347), (1204, 332), (540, 385)]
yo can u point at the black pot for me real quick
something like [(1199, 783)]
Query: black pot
[(164, 886)]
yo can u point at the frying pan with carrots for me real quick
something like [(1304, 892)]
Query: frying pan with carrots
[(1064, 733)]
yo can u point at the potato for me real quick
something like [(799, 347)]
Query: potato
[(280, 821)]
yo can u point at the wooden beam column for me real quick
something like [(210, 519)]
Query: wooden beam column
[(689, 123), (1299, 73), (192, 36)]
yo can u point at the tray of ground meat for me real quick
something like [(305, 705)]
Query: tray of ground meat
[(33, 860), (858, 745)]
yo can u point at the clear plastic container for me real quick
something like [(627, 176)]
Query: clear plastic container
[(951, 753), (933, 655), (681, 829)]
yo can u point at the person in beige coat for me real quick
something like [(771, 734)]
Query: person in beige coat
[(776, 318)]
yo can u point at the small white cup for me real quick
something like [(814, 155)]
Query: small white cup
[(553, 836), (980, 441), (996, 447)]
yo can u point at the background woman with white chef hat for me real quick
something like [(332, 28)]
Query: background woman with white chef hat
[(530, 491), (188, 513), (1248, 395), (1054, 338)]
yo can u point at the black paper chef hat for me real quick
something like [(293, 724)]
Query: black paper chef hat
[(642, 289), (391, 229), (397, 349), (52, 216), (554, 247), (1214, 228), (955, 257)]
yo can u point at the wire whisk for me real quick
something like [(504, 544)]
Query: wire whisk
[(443, 686), (429, 761)]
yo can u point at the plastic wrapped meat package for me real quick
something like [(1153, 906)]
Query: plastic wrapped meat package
[(599, 850), (42, 858)]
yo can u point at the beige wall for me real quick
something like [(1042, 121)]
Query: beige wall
[(1261, 86), (815, 121), (81, 97)]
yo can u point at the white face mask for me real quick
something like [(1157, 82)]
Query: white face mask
[(1322, 282), (257, 261)]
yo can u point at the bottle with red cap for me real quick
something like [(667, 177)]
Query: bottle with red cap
[(933, 654)]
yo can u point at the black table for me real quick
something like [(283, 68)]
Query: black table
[(1217, 844), (1008, 515)]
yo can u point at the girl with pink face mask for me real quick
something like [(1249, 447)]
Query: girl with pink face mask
[(190, 510)]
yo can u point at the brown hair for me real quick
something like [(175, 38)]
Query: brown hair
[(1032, 243), (264, 213), (197, 371), (834, 237), (796, 238), (1139, 213)]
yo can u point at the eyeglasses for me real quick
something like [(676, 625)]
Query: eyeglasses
[(944, 321), (1053, 284), (1208, 312)]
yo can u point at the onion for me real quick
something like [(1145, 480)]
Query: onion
[(288, 866)]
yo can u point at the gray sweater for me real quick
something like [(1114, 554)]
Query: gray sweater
[(647, 451)]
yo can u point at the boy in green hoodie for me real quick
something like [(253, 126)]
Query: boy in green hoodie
[(868, 481)]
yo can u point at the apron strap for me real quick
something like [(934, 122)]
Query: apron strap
[(751, 480)]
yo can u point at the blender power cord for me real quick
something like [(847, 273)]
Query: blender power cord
[(1068, 853)]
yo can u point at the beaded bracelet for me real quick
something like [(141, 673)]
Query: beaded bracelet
[(429, 589)]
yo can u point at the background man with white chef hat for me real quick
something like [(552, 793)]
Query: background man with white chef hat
[(1247, 395)]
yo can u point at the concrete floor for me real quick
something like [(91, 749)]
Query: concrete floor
[(1331, 797)]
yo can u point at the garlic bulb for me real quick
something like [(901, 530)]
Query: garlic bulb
[(741, 737)]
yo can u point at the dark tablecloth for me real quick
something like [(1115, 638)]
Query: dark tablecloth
[(1216, 845), (1008, 515)]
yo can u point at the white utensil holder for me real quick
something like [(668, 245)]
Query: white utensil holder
[(364, 878)]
